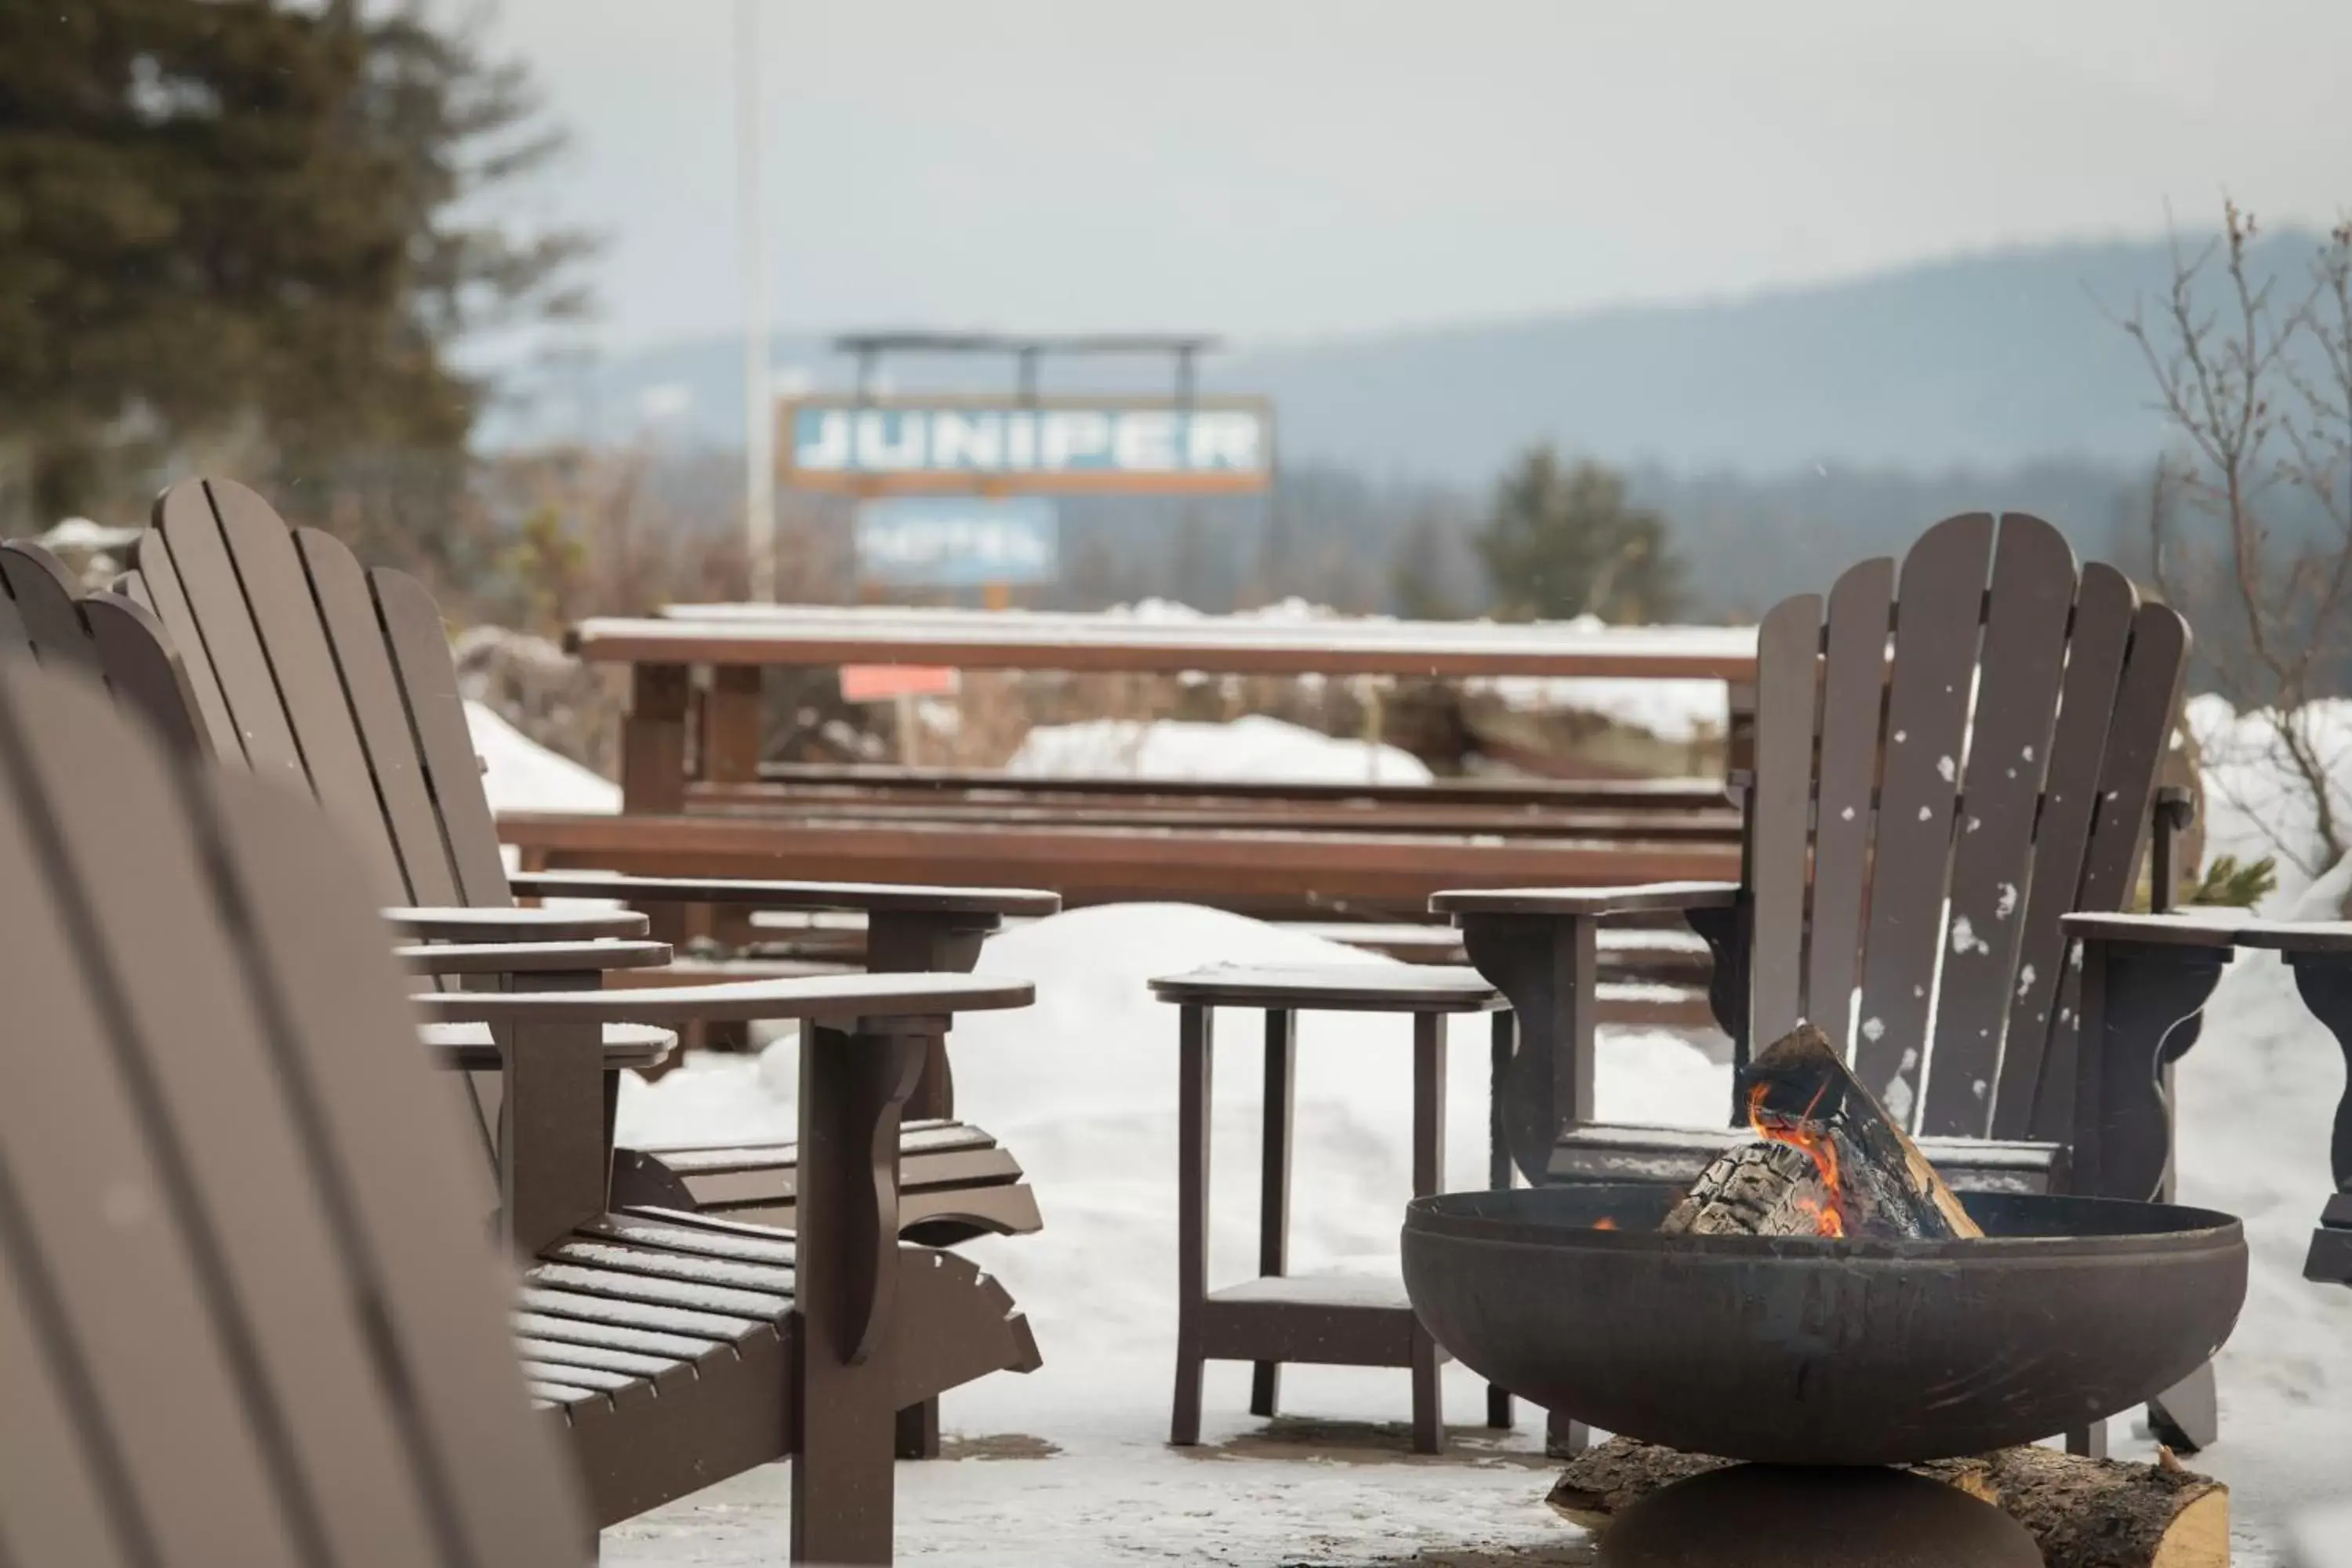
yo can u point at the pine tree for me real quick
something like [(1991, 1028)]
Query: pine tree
[(1561, 541), (252, 218), (1418, 577)]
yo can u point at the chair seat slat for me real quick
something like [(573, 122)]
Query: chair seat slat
[(686, 1269), (614, 1337), (768, 1248), (559, 1352), (556, 1301)]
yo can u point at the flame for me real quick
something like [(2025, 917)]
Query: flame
[(1829, 1218), (1604, 1223)]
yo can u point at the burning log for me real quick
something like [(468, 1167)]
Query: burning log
[(1830, 1161), (2082, 1512)]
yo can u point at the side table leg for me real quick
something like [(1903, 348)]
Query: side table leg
[(1503, 1034), (1274, 1193), (1428, 1176), (1196, 1027), (1565, 1439)]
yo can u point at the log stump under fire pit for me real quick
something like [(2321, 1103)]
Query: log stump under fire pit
[(2081, 1513)]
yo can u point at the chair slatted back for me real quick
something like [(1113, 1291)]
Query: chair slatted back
[(43, 611), (320, 671), (247, 1313), (1948, 758)]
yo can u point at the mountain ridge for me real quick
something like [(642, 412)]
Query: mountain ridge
[(1989, 359)]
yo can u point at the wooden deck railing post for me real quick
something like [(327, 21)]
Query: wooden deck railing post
[(652, 740), (730, 742)]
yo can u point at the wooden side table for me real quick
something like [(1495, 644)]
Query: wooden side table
[(1331, 1321)]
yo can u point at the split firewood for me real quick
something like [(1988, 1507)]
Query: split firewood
[(1830, 1160), (2082, 1512), (1756, 1189)]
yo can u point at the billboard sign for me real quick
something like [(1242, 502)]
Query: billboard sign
[(1101, 446), (958, 541)]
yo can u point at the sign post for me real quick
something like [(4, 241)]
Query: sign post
[(951, 491)]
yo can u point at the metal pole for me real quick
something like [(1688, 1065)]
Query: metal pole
[(758, 397)]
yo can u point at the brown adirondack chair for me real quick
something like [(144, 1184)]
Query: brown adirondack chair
[(43, 614), (303, 663), (676, 1349), (1946, 767), (245, 1313)]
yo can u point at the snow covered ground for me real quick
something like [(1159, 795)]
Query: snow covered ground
[(1082, 1087), (1069, 1466), (2255, 803), (1253, 748), (520, 775)]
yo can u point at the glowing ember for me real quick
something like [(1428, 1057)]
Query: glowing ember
[(1829, 1218), (1604, 1223)]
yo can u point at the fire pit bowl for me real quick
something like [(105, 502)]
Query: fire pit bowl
[(1810, 1351)]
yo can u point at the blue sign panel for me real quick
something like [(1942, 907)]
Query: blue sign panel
[(1224, 445), (958, 541)]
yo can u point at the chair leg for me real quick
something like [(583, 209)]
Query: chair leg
[(2089, 1442), (1274, 1191), (1498, 1408), (1428, 1176), (1564, 1437), (1503, 1034), (918, 1431), (850, 1092), (2187, 1416), (1428, 1396), (1196, 1029)]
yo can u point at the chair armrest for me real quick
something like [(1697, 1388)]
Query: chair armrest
[(468, 1047), (823, 996), (2220, 929), (871, 898), (1589, 902), (458, 924), (2298, 938), (532, 957)]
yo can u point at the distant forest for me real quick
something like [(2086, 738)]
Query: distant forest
[(1336, 538)]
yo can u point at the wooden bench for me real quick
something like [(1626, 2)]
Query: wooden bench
[(698, 800)]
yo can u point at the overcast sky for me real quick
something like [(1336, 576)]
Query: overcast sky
[(1286, 168)]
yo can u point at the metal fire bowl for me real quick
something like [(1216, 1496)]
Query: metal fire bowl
[(1815, 1352)]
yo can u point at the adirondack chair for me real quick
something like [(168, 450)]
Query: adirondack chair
[(556, 1178), (1946, 766), (671, 1349), (245, 1313), (43, 614), (303, 664)]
